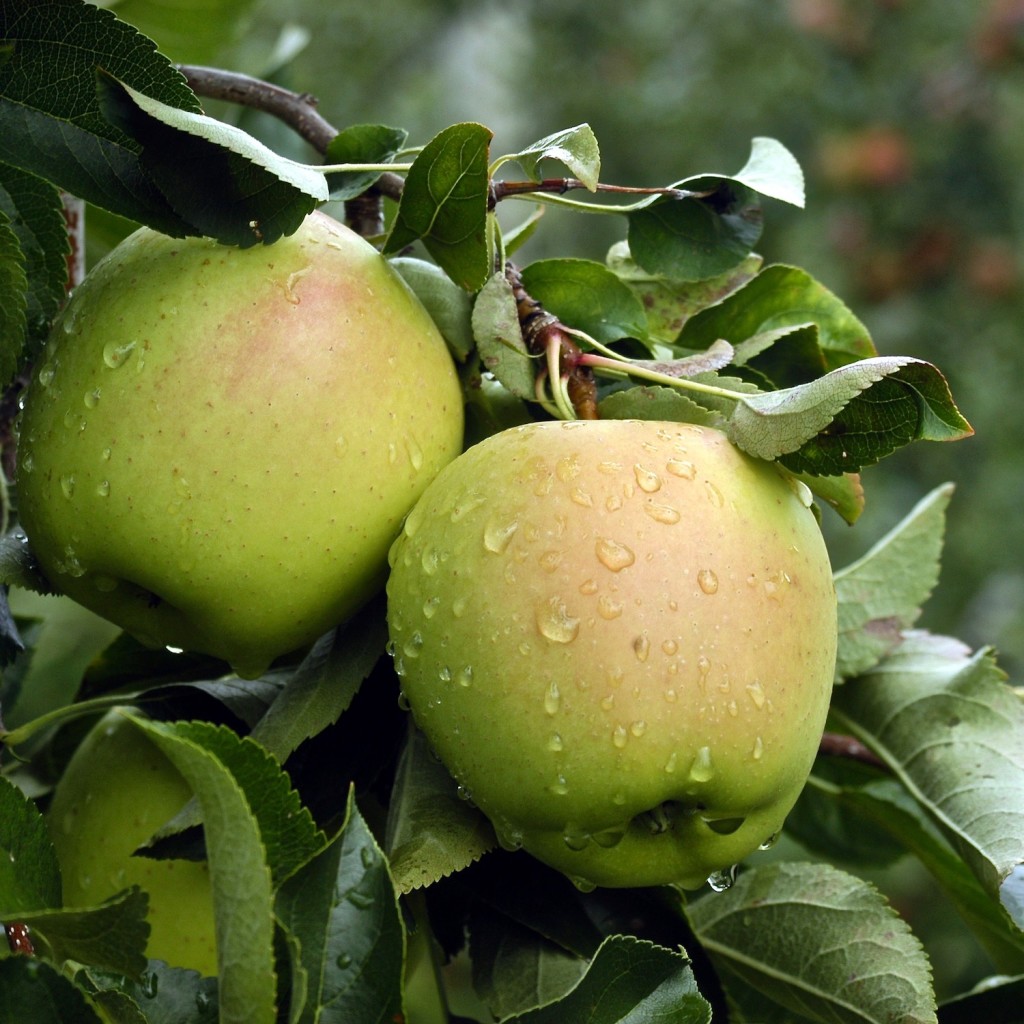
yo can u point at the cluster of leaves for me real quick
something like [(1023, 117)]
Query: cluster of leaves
[(341, 853)]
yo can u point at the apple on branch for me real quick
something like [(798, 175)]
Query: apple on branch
[(219, 444)]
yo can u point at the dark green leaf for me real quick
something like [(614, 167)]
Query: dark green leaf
[(499, 338), (781, 296), (112, 936), (361, 144), (952, 731), (29, 873), (852, 417), (32, 992), (431, 832), (693, 239), (54, 128), (163, 995), (36, 215), (13, 298), (322, 687), (586, 296), (444, 203), (995, 1001), (341, 908), (576, 148), (223, 182), (628, 979), (818, 942), (654, 403), (881, 594)]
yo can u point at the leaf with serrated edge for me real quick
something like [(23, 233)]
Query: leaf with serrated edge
[(628, 979), (431, 832), (575, 148), (499, 338), (239, 875), (33, 992), (881, 594), (341, 909), (819, 942), (952, 731), (13, 299), (29, 872)]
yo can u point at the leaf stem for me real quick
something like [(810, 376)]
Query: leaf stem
[(626, 367)]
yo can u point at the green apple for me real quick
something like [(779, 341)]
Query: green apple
[(620, 638), (117, 790), (219, 445)]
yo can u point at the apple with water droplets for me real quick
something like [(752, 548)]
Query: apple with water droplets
[(118, 789), (620, 638), (219, 445)]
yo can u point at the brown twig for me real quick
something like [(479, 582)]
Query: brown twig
[(835, 744), (544, 332)]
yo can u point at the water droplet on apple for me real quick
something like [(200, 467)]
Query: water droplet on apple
[(92, 398), (465, 505), (669, 647), (67, 485), (613, 555), (73, 420), (559, 787), (392, 453), (555, 623), (103, 489), (46, 375), (662, 513), (105, 455), (719, 881), (459, 606), (552, 699), (498, 533), (619, 737), (576, 840), (464, 677), (508, 838), (702, 770), (463, 793), (589, 587), (714, 494), (613, 503), (115, 355), (608, 608), (609, 838), (430, 607), (415, 453), (26, 463), (429, 560), (550, 560), (724, 826), (583, 884), (672, 763), (707, 581), (555, 742), (758, 752), (769, 842), (647, 480), (581, 497), (641, 647), (756, 691), (638, 728), (681, 468), (403, 701)]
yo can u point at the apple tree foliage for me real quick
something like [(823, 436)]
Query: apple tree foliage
[(351, 881)]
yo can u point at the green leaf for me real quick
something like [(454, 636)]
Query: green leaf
[(782, 296), (112, 935), (36, 215), (499, 338), (163, 995), (669, 304), (449, 306), (950, 729), (852, 417), (818, 942), (13, 298), (994, 1001), (773, 171), (881, 594), (444, 203), (628, 979), (516, 969), (29, 872), (33, 992), (341, 908), (576, 148), (654, 403), (239, 874), (587, 296), (322, 687), (431, 832), (60, 134), (361, 144), (222, 181)]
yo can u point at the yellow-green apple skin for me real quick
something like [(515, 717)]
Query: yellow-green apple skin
[(620, 638), (117, 790), (219, 445)]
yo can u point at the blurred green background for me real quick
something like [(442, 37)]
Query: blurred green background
[(907, 116)]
